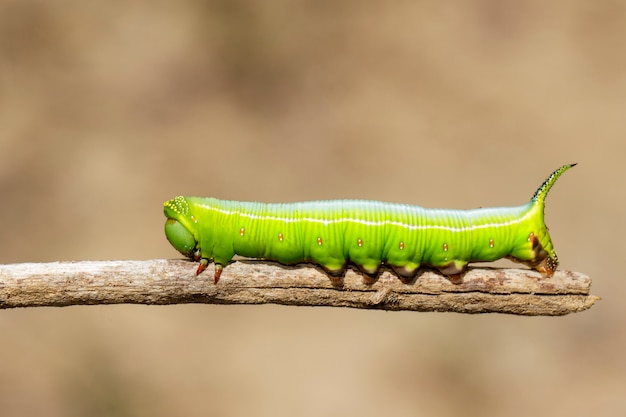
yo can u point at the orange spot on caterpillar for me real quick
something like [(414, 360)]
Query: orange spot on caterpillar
[(319, 241), (280, 237), (401, 245), (445, 247), (359, 242), (242, 231), (491, 243)]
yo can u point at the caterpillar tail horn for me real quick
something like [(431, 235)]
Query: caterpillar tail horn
[(540, 195)]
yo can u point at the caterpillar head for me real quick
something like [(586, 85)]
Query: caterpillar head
[(180, 227)]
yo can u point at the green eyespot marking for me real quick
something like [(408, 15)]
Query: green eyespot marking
[(182, 240), (366, 233)]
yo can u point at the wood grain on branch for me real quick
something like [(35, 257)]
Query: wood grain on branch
[(484, 290)]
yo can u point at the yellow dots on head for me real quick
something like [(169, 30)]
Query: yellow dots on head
[(242, 231), (401, 245), (491, 243), (178, 205), (359, 242), (319, 241), (445, 247), (280, 237)]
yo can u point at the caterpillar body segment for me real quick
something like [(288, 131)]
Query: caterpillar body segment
[(366, 233)]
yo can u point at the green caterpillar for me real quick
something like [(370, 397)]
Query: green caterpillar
[(367, 233)]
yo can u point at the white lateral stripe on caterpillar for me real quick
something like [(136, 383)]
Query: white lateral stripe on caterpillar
[(327, 222)]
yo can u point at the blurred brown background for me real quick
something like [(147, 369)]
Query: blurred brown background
[(109, 108)]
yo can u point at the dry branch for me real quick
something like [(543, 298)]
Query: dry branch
[(484, 290)]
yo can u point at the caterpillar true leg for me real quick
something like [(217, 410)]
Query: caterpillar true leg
[(218, 272), (203, 265), (204, 262)]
